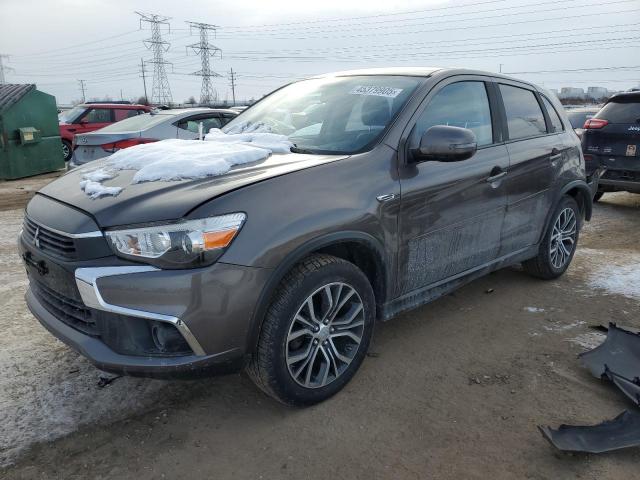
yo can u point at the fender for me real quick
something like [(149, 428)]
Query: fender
[(586, 191), (298, 254), (588, 201)]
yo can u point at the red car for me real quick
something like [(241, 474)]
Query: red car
[(88, 117)]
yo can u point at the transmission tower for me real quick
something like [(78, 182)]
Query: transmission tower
[(160, 92), (4, 68), (206, 51), (81, 85)]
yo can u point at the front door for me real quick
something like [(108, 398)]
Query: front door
[(452, 212)]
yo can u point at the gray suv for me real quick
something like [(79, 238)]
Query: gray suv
[(402, 185)]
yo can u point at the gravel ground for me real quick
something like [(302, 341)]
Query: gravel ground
[(451, 390)]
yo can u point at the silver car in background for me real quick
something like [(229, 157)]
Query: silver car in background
[(150, 127)]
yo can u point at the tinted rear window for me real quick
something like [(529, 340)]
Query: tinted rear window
[(621, 112)]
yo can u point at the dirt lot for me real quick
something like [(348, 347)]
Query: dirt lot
[(452, 390)]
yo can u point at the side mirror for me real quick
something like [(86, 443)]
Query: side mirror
[(444, 143)]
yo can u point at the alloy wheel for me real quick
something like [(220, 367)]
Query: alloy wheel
[(325, 335), (563, 238)]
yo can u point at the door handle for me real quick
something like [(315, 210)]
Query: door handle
[(386, 198), (496, 177), (555, 157)]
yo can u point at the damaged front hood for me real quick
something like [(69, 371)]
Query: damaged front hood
[(160, 200)]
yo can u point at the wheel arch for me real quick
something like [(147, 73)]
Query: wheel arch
[(581, 192), (359, 248)]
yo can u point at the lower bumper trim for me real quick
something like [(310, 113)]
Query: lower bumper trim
[(151, 366)]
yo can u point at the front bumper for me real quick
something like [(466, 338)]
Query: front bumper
[(106, 359), (212, 308)]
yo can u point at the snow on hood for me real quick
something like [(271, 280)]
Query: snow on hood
[(169, 160)]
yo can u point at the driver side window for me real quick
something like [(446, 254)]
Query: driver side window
[(461, 104)]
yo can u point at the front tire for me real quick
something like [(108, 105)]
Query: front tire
[(316, 331), (559, 243)]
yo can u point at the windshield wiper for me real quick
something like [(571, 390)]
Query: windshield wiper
[(296, 149)]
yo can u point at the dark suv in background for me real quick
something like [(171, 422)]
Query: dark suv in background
[(403, 185), (611, 144)]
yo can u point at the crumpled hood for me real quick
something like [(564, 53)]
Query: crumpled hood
[(159, 200)]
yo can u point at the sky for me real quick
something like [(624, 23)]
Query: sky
[(553, 43)]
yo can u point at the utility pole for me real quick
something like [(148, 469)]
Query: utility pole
[(501, 67), (4, 68), (161, 92), (208, 94), (232, 82), (81, 82), (144, 80)]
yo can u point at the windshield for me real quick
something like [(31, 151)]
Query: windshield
[(137, 123), (329, 115), (71, 115)]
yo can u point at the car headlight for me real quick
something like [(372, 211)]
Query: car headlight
[(189, 243)]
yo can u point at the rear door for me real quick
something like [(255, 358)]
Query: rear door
[(94, 119), (617, 140), (452, 212), (122, 113), (535, 155)]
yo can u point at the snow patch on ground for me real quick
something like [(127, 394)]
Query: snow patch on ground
[(558, 327), (170, 160), (589, 340), (46, 389), (534, 309), (614, 271)]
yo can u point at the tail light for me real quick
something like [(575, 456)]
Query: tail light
[(595, 123), (130, 142)]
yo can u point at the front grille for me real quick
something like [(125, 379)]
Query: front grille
[(67, 310), (622, 175), (53, 243)]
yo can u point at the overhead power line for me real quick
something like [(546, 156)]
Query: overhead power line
[(206, 51), (161, 92)]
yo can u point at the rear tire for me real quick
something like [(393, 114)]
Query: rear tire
[(315, 333), (67, 151), (559, 243)]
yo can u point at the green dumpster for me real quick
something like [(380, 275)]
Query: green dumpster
[(29, 132)]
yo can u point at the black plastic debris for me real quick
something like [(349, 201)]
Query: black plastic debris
[(618, 360), (620, 354), (631, 388), (621, 432)]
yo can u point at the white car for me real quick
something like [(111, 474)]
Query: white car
[(149, 127)]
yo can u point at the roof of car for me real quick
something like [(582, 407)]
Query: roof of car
[(181, 111), (406, 71), (422, 72), (633, 95), (131, 106)]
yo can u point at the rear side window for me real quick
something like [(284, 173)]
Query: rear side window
[(462, 104), (97, 115), (621, 112), (556, 123), (524, 116), (121, 113), (193, 124)]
